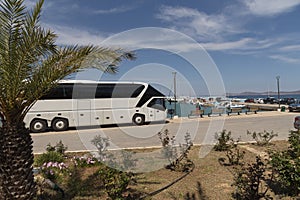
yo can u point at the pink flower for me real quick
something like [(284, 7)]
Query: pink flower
[(55, 164), (49, 164)]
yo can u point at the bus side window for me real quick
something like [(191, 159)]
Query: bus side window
[(68, 91), (54, 93)]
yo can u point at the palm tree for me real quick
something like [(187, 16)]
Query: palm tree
[(30, 65)]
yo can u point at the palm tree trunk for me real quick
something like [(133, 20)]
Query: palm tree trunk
[(16, 160)]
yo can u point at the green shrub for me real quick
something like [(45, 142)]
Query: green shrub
[(294, 141), (169, 150), (51, 156), (49, 147), (101, 143), (233, 153), (262, 138), (249, 181), (286, 165), (176, 155), (223, 138), (235, 156), (115, 182), (59, 147), (128, 162)]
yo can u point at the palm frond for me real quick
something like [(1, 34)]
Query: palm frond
[(22, 48), (32, 17), (30, 61), (46, 74), (30, 65), (106, 59)]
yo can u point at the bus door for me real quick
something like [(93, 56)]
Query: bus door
[(157, 109), (83, 113), (151, 114)]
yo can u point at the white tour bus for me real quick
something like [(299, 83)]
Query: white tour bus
[(89, 103)]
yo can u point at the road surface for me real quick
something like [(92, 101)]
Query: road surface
[(202, 131)]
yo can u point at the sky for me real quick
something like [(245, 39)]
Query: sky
[(212, 45)]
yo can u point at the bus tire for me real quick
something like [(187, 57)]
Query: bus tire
[(60, 124), (38, 125), (138, 119)]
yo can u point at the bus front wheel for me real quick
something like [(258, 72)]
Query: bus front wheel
[(60, 124), (38, 126), (138, 119)]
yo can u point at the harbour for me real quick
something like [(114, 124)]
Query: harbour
[(184, 106)]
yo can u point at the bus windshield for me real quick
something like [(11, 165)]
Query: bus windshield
[(157, 103)]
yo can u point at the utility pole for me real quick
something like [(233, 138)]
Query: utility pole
[(278, 90), (174, 73)]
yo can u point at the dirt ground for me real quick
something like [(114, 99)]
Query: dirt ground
[(208, 180)]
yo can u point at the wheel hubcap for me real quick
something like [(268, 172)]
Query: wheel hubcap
[(38, 126), (60, 124), (138, 119)]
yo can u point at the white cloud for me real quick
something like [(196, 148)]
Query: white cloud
[(69, 6), (239, 44), (196, 23), (114, 10), (72, 36), (225, 30), (270, 7), (290, 48), (286, 59), (215, 32), (177, 44)]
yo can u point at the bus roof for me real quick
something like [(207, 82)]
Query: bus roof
[(98, 82)]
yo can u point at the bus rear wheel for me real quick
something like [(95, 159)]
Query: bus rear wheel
[(60, 124), (138, 119), (38, 126)]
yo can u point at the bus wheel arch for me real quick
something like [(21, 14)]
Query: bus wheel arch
[(38, 125), (138, 119), (60, 124)]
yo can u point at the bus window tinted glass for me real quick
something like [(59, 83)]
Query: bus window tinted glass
[(118, 90), (84, 91), (91, 91), (104, 90), (68, 91), (62, 91), (127, 90)]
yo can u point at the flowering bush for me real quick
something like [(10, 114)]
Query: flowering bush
[(84, 161), (54, 170)]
